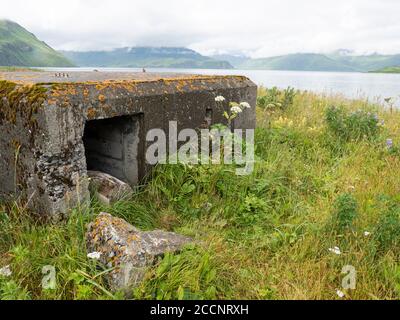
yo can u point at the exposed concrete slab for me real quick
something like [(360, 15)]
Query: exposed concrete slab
[(29, 77), (43, 119)]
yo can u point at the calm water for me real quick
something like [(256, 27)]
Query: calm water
[(374, 87)]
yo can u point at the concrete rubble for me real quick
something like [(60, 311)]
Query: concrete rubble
[(107, 188), (129, 251)]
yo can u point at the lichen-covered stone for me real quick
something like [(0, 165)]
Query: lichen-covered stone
[(107, 188), (128, 250)]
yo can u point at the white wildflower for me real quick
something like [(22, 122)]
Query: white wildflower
[(220, 99), (245, 105), (367, 234), (340, 293), (94, 255), (236, 110), (335, 250), (5, 271)]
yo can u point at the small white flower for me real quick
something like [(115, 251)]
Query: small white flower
[(367, 234), (335, 250), (245, 105), (220, 99), (5, 271), (340, 294), (236, 110), (94, 255)]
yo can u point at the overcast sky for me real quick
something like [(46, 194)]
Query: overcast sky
[(256, 27)]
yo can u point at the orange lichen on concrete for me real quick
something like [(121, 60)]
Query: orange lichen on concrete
[(102, 98), (91, 113)]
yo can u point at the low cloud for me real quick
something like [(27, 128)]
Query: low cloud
[(255, 27)]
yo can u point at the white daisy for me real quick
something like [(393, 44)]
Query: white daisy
[(367, 234), (5, 271), (340, 294), (220, 99), (94, 255), (335, 250)]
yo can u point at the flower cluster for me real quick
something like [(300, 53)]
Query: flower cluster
[(235, 108), (245, 105)]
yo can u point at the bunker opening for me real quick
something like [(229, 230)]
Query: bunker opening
[(113, 146)]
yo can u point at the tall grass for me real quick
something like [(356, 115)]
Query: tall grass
[(263, 236)]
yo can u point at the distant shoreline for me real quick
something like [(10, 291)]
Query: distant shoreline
[(389, 70)]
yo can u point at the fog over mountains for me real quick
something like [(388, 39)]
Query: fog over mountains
[(19, 47), (147, 57), (340, 60)]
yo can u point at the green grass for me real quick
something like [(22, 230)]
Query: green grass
[(263, 236)]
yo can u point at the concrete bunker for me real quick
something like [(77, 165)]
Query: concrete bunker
[(56, 129)]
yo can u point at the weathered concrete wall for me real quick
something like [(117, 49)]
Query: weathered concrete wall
[(51, 114)]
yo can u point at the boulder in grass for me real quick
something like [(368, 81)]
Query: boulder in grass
[(128, 251), (107, 188)]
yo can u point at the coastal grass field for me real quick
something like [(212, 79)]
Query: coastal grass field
[(325, 194)]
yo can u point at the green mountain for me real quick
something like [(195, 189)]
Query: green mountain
[(341, 60), (18, 47), (298, 61), (147, 57), (368, 62)]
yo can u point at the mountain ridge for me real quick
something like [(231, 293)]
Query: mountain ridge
[(341, 60), (146, 57), (19, 47), (297, 62)]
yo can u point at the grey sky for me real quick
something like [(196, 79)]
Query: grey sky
[(256, 27)]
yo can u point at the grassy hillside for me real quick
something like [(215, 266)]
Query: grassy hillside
[(338, 61), (369, 62), (18, 47), (388, 70), (300, 61), (324, 177), (147, 57)]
